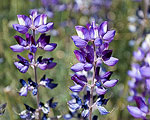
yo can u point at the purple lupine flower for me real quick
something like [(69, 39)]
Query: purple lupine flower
[(46, 107), (106, 57), (85, 56), (135, 72), (76, 88), (145, 71), (80, 81), (139, 55), (45, 63), (29, 113), (75, 103), (28, 44), (93, 33), (104, 82), (43, 43), (34, 22), (31, 86), (22, 65), (47, 82), (24, 90), (136, 112)]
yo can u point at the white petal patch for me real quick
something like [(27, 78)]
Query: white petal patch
[(105, 28), (21, 20)]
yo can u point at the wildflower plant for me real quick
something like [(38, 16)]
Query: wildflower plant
[(140, 83), (36, 23), (93, 43), (140, 67)]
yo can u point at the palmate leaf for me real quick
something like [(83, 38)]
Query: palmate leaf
[(2, 108)]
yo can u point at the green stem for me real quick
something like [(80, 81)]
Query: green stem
[(35, 77), (92, 84)]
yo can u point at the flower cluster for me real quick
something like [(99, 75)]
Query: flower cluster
[(93, 43), (50, 6), (91, 7), (140, 82), (37, 24)]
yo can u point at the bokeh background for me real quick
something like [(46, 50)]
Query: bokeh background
[(65, 18)]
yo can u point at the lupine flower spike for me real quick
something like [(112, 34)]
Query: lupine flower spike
[(93, 43), (36, 23)]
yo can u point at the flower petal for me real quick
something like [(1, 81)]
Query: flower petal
[(24, 20), (80, 57), (109, 36), (50, 47), (111, 62), (106, 54), (40, 20), (136, 112), (103, 28), (82, 32), (20, 28), (98, 41), (141, 104), (79, 42), (87, 66), (145, 71), (20, 41), (23, 91), (21, 67), (85, 113), (42, 29), (102, 110), (33, 49), (50, 25), (76, 88), (77, 67), (42, 66), (148, 84), (100, 91), (110, 83), (17, 48), (51, 65)]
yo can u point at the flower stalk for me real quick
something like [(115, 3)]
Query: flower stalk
[(36, 80), (92, 83)]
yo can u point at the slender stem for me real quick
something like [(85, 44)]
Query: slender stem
[(92, 84), (35, 76)]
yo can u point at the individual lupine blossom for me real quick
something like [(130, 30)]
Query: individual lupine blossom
[(35, 22), (140, 82), (92, 40), (31, 114)]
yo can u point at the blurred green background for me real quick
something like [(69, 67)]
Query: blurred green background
[(63, 54)]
